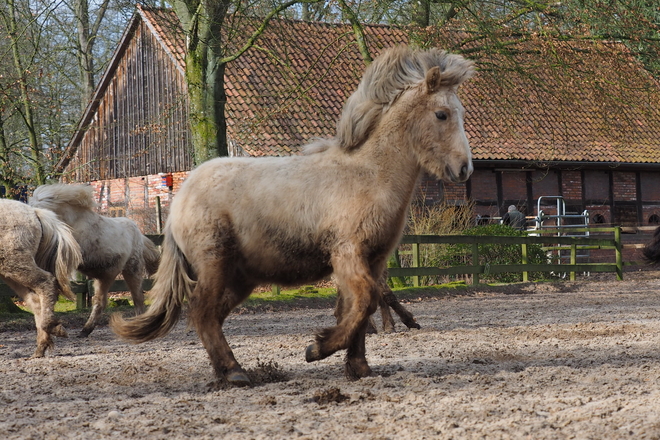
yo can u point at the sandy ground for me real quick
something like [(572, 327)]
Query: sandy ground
[(548, 360)]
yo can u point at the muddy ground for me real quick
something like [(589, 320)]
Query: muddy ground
[(547, 360)]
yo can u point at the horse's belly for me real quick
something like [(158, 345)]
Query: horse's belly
[(288, 269)]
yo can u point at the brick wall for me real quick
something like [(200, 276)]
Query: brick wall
[(571, 185), (484, 184), (625, 187), (430, 190), (602, 210), (135, 197), (455, 193), (514, 186)]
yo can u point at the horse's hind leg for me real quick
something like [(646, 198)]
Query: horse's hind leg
[(41, 302), (386, 315), (210, 304), (406, 317), (99, 302), (134, 283), (44, 340)]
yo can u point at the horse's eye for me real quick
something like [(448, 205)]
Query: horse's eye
[(441, 115)]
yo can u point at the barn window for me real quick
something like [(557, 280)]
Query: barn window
[(654, 219), (598, 219)]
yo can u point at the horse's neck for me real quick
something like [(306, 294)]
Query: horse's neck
[(398, 167)]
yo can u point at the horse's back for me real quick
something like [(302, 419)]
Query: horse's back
[(20, 234)]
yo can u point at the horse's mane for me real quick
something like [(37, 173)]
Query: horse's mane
[(49, 196), (319, 146), (391, 73)]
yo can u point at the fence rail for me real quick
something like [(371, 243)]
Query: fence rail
[(550, 239)]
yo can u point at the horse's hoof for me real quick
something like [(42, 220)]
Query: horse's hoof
[(39, 353), (238, 379), (59, 331), (355, 370), (84, 333), (313, 353)]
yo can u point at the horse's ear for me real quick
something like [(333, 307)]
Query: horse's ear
[(433, 79)]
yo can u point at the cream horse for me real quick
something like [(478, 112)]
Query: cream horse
[(38, 255), (240, 222), (110, 246)]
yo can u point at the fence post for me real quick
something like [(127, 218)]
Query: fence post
[(475, 262), (275, 289), (525, 260), (82, 297), (415, 262), (159, 216), (619, 256), (571, 275)]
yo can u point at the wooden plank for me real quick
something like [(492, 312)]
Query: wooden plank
[(500, 268), (489, 239)]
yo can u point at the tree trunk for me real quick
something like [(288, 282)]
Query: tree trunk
[(85, 58), (27, 111), (202, 22)]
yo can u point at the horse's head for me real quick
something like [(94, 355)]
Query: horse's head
[(417, 90), (437, 134)]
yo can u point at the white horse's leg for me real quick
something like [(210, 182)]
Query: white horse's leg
[(41, 302), (99, 302), (44, 340), (134, 282)]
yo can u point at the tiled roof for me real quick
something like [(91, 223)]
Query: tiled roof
[(543, 100)]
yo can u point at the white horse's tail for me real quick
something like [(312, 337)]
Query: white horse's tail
[(173, 283), (151, 256), (58, 253)]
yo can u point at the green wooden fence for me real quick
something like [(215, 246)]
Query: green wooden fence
[(549, 240), (84, 289)]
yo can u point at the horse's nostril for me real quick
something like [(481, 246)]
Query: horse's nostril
[(464, 171)]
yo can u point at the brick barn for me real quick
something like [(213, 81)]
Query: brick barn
[(576, 119)]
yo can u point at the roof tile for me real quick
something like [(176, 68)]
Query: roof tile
[(544, 100)]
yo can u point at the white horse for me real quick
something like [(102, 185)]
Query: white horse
[(240, 222), (38, 255), (110, 246)]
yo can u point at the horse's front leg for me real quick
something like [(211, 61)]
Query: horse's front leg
[(99, 302), (371, 327), (359, 300)]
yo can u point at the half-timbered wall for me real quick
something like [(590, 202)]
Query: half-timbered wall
[(141, 125), (625, 198)]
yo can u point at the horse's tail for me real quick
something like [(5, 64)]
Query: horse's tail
[(151, 256), (651, 251), (58, 253), (173, 283)]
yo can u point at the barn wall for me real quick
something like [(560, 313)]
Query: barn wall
[(136, 197), (625, 198), (140, 127)]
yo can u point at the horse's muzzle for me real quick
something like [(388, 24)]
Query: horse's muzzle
[(463, 174)]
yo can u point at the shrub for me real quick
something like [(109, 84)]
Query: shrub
[(494, 254), (441, 219)]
